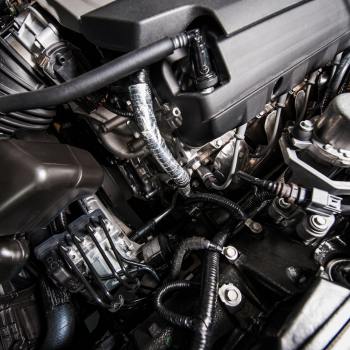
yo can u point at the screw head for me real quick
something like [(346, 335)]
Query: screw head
[(257, 228), (230, 295), (218, 143), (231, 253)]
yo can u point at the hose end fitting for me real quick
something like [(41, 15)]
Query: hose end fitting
[(180, 40)]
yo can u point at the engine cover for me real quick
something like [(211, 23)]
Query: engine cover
[(264, 48)]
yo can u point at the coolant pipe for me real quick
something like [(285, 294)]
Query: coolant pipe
[(60, 318), (141, 100)]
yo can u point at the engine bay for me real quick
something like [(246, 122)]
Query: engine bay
[(175, 175)]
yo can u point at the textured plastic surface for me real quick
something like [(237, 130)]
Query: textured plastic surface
[(266, 47), (320, 321), (39, 179), (106, 23)]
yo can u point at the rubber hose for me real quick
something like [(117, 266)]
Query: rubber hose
[(95, 79), (122, 113), (60, 318), (190, 244), (257, 199), (233, 208), (336, 80), (209, 290), (171, 316)]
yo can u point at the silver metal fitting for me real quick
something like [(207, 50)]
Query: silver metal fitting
[(318, 222), (306, 125), (230, 295), (314, 227), (254, 226), (231, 253)]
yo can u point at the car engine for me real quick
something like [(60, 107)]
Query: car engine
[(175, 174)]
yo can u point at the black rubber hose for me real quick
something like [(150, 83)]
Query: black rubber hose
[(19, 124), (60, 318), (257, 199), (121, 112), (336, 80), (93, 80), (190, 244), (30, 119), (233, 208), (171, 316), (209, 296)]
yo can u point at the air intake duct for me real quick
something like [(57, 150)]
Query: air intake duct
[(16, 75)]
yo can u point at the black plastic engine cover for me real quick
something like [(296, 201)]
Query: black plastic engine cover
[(264, 47), (39, 179)]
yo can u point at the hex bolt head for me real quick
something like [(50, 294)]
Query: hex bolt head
[(231, 253), (230, 295)]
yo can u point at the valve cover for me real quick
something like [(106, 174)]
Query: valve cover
[(264, 48)]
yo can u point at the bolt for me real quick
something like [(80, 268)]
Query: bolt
[(256, 227), (176, 112), (306, 125), (231, 253), (218, 143), (195, 184), (318, 222), (230, 295)]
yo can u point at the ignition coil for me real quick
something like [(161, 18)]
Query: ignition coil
[(205, 77)]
